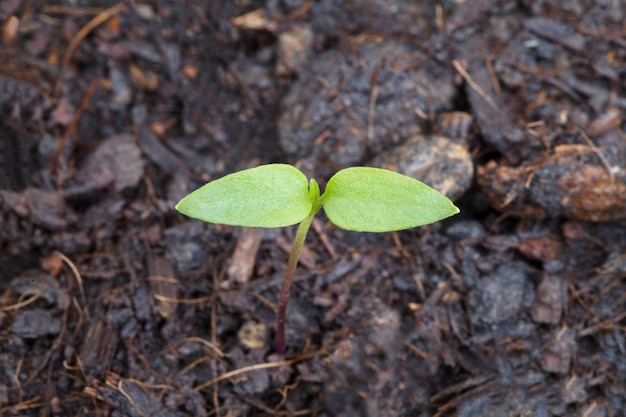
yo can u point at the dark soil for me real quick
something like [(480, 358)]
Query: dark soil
[(113, 304)]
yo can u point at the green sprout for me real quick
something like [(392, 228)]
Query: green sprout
[(359, 199)]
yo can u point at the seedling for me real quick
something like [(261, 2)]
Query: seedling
[(359, 199)]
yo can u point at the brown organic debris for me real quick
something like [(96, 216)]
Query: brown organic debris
[(242, 262), (572, 181)]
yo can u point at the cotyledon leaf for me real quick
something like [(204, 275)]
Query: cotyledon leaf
[(378, 200), (272, 195)]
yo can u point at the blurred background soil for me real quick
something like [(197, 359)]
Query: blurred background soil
[(113, 304)]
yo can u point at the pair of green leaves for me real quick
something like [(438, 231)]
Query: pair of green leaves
[(359, 199)]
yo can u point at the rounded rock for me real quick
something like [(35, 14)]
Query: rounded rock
[(436, 161)]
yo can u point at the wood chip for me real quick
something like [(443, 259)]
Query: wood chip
[(242, 262)]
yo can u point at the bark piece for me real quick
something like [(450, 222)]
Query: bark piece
[(242, 262)]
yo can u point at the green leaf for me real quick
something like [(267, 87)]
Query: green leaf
[(378, 200), (273, 195)]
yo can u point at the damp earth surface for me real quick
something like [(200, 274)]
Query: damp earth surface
[(112, 304)]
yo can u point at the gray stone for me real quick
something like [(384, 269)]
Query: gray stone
[(35, 323), (435, 160)]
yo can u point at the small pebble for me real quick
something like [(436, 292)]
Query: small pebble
[(35, 323)]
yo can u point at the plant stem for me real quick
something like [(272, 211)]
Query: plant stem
[(292, 263)]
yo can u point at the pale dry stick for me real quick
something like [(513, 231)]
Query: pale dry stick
[(256, 367), (79, 310), (21, 303), (78, 367), (79, 280), (148, 366), (243, 370), (570, 382), (81, 35), (204, 342), (182, 300), (454, 274), (610, 168), (419, 284), (610, 323), (590, 409), (161, 278), (492, 76), (72, 11), (31, 403), (267, 303), (16, 376), (439, 18), (561, 332), (514, 191), (126, 395), (284, 392), (416, 350), (533, 128), (300, 13), (459, 67), (148, 385), (420, 113), (400, 247), (85, 30), (321, 137), (195, 363), (323, 237)]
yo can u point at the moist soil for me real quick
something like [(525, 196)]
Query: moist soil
[(113, 304)]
